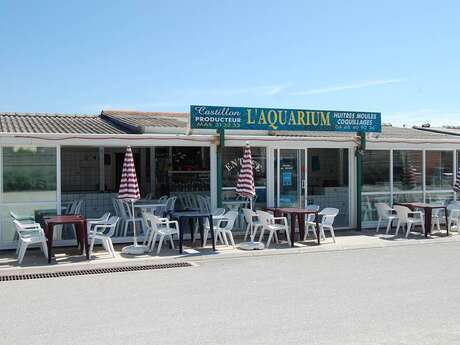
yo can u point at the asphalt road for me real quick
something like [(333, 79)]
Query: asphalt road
[(394, 295)]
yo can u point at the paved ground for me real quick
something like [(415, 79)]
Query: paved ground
[(70, 258), (389, 295)]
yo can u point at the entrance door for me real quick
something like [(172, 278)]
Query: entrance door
[(290, 177)]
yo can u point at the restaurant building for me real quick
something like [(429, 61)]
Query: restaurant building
[(47, 160)]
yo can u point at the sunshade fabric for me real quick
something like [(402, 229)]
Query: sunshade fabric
[(129, 188), (457, 181), (245, 186)]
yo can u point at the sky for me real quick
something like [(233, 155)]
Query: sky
[(400, 58)]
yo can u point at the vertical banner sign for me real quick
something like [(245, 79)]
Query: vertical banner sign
[(275, 119)]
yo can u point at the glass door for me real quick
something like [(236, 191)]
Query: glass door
[(289, 177)]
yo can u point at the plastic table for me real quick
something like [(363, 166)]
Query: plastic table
[(80, 230), (297, 215), (185, 217)]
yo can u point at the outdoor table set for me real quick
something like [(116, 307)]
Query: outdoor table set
[(296, 215), (80, 230), (185, 219), (428, 213)]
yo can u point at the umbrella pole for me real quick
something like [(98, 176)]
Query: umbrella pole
[(134, 222), (250, 223), (251, 245)]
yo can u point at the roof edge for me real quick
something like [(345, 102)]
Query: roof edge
[(438, 131), (125, 126)]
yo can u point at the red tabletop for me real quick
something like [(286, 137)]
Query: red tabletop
[(80, 230), (428, 210), (297, 214), (65, 219)]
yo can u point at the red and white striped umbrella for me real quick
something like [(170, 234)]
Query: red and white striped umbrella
[(245, 186), (129, 188), (457, 181), (129, 192)]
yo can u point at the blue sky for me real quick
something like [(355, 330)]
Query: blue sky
[(401, 58)]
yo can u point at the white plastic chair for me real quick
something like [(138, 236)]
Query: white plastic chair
[(251, 218), (125, 214), (160, 227), (269, 224), (436, 218), (454, 219), (103, 231), (409, 218), (170, 205), (310, 221), (160, 211), (453, 205), (385, 213), (29, 233), (217, 213), (223, 227), (22, 219), (327, 222), (93, 221), (203, 204)]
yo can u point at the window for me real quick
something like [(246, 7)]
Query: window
[(376, 171), (412, 182), (29, 173), (327, 184), (439, 170), (182, 169), (376, 184), (407, 170), (232, 166), (80, 169), (29, 184)]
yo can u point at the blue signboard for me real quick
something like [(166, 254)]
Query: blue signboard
[(275, 119)]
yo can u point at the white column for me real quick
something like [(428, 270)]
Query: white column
[(456, 165), (391, 178), (101, 170), (278, 177), (1, 176), (306, 177), (424, 175), (213, 175), (58, 179), (152, 170), (143, 167), (270, 184), (352, 187)]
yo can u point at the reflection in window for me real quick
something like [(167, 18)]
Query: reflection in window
[(22, 210), (439, 170), (29, 173), (407, 170), (376, 171), (232, 166), (181, 169), (407, 197), (438, 198), (328, 181), (80, 169), (369, 212)]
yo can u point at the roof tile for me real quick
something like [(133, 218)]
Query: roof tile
[(56, 124)]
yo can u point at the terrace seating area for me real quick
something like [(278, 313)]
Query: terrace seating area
[(418, 218), (162, 230), (158, 223)]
